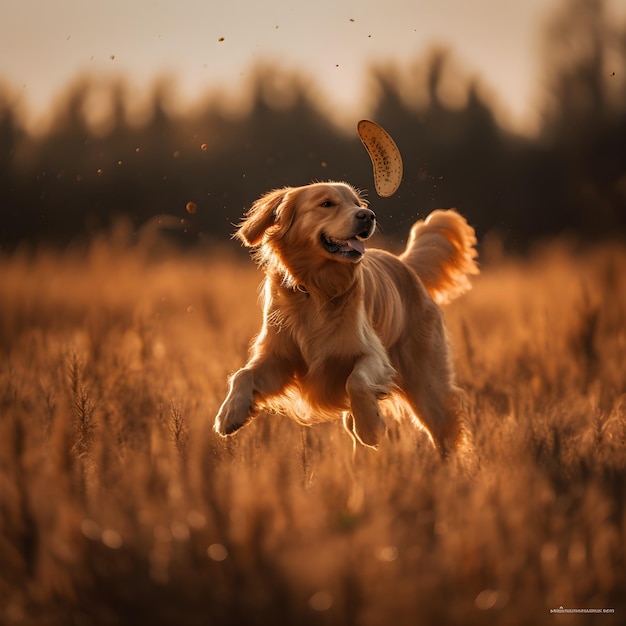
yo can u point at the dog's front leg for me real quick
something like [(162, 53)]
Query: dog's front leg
[(369, 380), (247, 387)]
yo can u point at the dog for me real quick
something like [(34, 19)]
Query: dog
[(344, 328)]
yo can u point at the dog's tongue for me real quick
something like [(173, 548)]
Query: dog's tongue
[(357, 245)]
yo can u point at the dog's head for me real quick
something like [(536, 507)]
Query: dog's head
[(307, 226)]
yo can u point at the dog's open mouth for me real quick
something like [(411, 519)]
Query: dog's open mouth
[(352, 247)]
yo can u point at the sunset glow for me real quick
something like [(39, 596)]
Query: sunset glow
[(206, 47)]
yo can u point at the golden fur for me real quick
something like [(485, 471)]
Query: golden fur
[(344, 328)]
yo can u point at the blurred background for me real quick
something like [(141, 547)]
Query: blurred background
[(176, 115)]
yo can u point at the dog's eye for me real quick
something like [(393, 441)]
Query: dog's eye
[(327, 203)]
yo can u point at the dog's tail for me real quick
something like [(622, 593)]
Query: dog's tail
[(441, 251)]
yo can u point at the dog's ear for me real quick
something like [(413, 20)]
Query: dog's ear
[(263, 214)]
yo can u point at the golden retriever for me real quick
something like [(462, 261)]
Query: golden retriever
[(344, 327)]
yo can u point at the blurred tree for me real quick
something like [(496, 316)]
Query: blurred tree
[(203, 169), (455, 154), (585, 114), (9, 138)]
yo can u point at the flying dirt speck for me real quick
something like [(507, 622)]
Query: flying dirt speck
[(221, 39), (111, 539), (191, 207), (321, 601), (387, 554), (217, 552), (91, 529)]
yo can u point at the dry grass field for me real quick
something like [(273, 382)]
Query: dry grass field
[(119, 506)]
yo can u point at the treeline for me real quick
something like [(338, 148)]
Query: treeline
[(196, 174)]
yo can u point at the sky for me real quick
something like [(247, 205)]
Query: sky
[(208, 45)]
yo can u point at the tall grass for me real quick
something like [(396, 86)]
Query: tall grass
[(120, 506)]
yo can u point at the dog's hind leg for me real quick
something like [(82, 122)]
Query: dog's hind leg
[(441, 413), (427, 384)]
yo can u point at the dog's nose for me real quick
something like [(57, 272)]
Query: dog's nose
[(366, 216)]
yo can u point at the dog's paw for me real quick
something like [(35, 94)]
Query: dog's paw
[(231, 417), (225, 428), (368, 432), (371, 437)]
